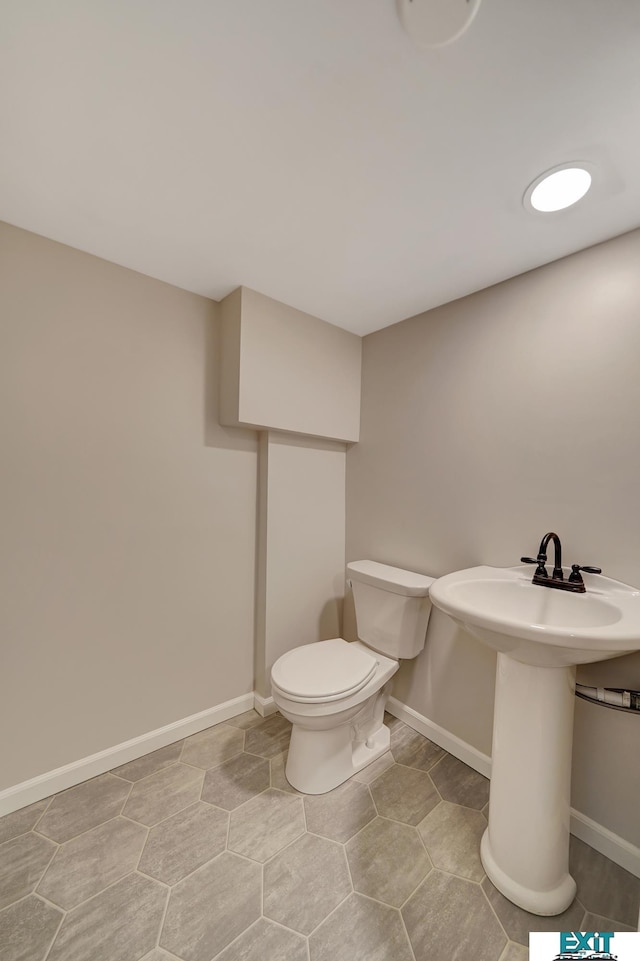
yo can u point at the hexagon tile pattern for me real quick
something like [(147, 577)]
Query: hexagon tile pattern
[(201, 851)]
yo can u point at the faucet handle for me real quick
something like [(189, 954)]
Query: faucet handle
[(541, 570), (575, 577)]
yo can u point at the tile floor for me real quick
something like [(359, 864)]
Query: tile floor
[(202, 850)]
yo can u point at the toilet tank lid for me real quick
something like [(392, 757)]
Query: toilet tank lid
[(392, 579)]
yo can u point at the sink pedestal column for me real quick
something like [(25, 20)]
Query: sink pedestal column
[(525, 849)]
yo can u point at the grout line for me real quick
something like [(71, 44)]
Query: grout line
[(351, 894), (95, 827), (364, 826), (346, 857), (38, 819), (263, 757), (100, 892), (465, 807), (226, 840), (287, 793), (418, 885), (435, 788), (422, 840), (161, 770), (392, 907), (166, 951), (162, 764), (440, 760), (234, 941), (243, 804), (173, 814), (241, 727), (458, 877), (128, 795), (121, 777), (125, 817), (284, 927), (236, 854), (203, 770), (275, 854), (59, 843), (148, 830), (32, 894), (56, 933), (44, 871), (165, 884), (584, 914), (30, 830), (163, 918), (37, 834), (505, 950), (185, 786), (404, 926), (493, 910), (385, 904), (149, 877), (373, 805), (158, 770), (46, 900)]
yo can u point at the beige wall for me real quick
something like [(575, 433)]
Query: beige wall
[(127, 553), (301, 546), (486, 423)]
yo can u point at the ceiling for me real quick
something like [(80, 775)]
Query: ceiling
[(309, 150)]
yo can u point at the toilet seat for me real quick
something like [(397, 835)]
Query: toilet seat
[(324, 671)]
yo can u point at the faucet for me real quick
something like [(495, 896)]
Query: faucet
[(557, 556), (573, 583)]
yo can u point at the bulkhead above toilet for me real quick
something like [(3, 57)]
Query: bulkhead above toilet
[(392, 607)]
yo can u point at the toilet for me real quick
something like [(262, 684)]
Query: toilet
[(335, 692)]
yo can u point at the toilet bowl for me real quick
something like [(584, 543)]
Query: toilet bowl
[(334, 692), (337, 713)]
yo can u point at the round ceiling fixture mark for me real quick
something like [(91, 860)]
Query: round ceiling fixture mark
[(435, 23)]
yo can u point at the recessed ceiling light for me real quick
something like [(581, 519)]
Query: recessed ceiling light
[(558, 188)]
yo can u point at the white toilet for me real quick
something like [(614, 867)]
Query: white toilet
[(335, 692)]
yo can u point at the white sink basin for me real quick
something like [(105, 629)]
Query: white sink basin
[(540, 634), (539, 625)]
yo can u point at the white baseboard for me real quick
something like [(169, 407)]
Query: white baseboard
[(615, 848), (263, 705), (20, 795), (450, 742)]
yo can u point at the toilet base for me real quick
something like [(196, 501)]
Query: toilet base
[(319, 761)]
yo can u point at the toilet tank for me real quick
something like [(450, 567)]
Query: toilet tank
[(392, 607)]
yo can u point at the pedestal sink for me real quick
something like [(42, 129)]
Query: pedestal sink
[(540, 635)]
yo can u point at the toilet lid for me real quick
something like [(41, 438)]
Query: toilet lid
[(323, 670)]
